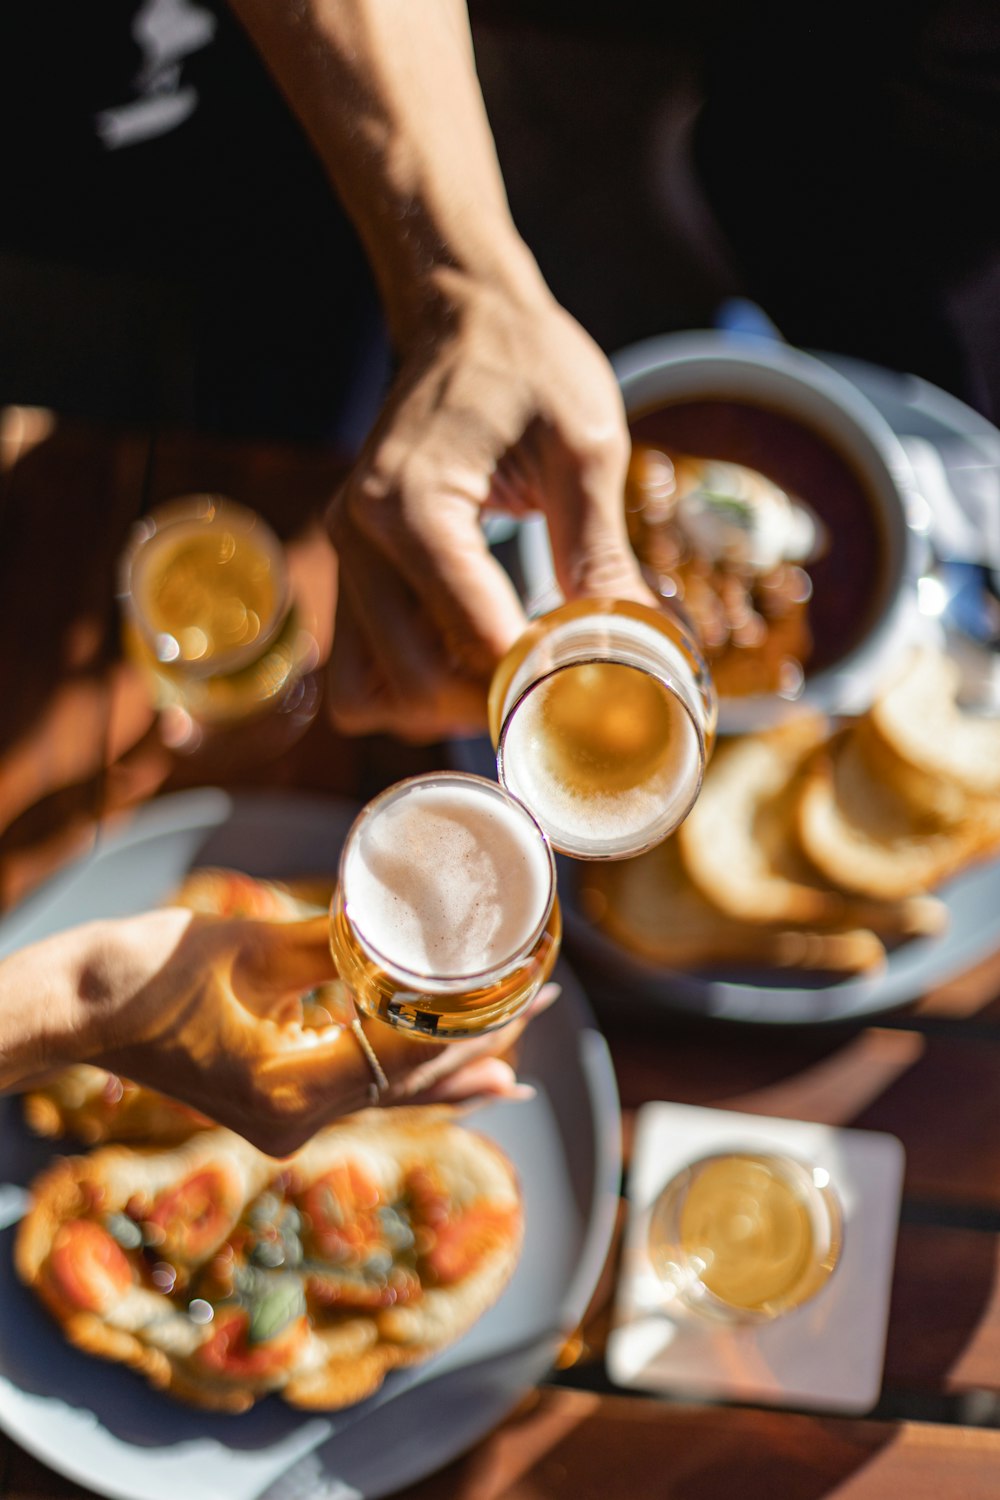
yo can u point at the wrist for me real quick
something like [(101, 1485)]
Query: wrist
[(501, 282)]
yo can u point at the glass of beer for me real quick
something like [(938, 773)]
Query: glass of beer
[(210, 619), (603, 717), (744, 1237), (445, 921)]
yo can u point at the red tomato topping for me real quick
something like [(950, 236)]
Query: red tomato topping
[(194, 1216), (229, 1353), (428, 1200), (342, 1211), (459, 1246), (452, 1241), (86, 1267)]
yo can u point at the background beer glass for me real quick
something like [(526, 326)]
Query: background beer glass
[(210, 619), (445, 921), (603, 717)]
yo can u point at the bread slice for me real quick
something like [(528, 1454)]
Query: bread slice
[(861, 830), (919, 718), (741, 850), (650, 907)]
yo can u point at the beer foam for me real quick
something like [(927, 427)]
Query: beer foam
[(448, 879), (598, 819)]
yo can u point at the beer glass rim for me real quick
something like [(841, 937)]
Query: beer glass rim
[(429, 981), (206, 508)]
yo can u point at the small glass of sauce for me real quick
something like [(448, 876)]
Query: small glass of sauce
[(743, 1237)]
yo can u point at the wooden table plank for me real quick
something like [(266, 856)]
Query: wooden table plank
[(973, 994), (943, 1336), (944, 1319), (825, 1076), (938, 1094), (69, 493), (944, 1109), (569, 1444)]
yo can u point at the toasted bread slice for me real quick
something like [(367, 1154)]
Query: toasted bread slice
[(740, 844), (650, 907), (862, 833), (919, 718), (934, 801)]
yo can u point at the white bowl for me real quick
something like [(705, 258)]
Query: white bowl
[(765, 372)]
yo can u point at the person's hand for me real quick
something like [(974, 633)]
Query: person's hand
[(208, 1010), (503, 402)]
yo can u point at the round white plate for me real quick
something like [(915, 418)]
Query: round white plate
[(913, 407), (102, 1426)]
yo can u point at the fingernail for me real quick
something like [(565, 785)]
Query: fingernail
[(522, 1091)]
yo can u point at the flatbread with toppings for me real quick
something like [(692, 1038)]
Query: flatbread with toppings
[(223, 1275)]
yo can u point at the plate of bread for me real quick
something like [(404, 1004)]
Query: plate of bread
[(180, 1313), (830, 868)]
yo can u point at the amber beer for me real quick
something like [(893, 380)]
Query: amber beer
[(445, 921), (745, 1236), (603, 717), (208, 612)]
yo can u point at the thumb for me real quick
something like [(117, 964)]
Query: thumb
[(280, 958)]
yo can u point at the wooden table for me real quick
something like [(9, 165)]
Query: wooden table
[(77, 743)]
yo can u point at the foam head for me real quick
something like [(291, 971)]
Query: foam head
[(605, 755), (447, 876)]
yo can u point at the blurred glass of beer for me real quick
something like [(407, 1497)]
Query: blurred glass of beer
[(210, 618), (603, 716), (445, 921)]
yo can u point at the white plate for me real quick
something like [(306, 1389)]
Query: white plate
[(915, 408), (102, 1426)]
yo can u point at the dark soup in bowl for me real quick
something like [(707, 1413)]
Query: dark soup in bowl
[(765, 531)]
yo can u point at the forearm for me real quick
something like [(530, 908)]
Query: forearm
[(388, 93)]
